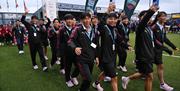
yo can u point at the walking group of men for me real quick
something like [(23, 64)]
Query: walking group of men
[(99, 41)]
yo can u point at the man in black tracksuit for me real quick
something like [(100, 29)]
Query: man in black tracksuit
[(122, 52), (110, 39), (19, 33), (144, 50), (85, 44), (160, 35), (66, 51), (35, 44), (52, 35), (44, 34)]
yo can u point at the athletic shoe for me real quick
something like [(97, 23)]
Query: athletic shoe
[(123, 68), (58, 62), (75, 81), (22, 52), (118, 67), (45, 68), (166, 87), (98, 87), (107, 79), (35, 67), (46, 58), (69, 84), (125, 81), (62, 71)]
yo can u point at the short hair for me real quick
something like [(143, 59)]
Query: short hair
[(142, 13), (41, 19), (115, 15), (84, 15), (124, 17), (68, 16), (55, 20), (34, 17)]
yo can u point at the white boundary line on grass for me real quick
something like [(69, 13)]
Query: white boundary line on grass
[(171, 56)]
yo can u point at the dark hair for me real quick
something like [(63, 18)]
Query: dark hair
[(115, 15), (95, 16), (124, 17), (18, 20), (142, 13), (41, 19), (34, 17), (68, 16), (55, 20), (157, 16), (84, 15)]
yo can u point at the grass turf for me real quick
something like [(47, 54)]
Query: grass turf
[(16, 72)]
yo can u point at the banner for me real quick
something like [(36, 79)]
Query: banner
[(50, 9), (129, 7), (25, 7), (7, 4), (16, 3), (156, 2), (90, 6), (112, 1)]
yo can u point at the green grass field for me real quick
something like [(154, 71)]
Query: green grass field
[(16, 73)]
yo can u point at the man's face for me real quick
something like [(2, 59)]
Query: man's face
[(34, 21), (56, 23), (69, 22), (95, 21), (41, 22), (18, 23), (111, 21), (86, 21), (125, 21), (162, 18)]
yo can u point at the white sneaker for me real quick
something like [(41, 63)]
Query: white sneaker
[(19, 52), (107, 79), (62, 71), (45, 68), (22, 52), (75, 81), (46, 58), (166, 87), (69, 84), (125, 81), (123, 68), (118, 67), (35, 67), (98, 87), (59, 58), (58, 62)]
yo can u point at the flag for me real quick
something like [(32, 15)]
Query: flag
[(7, 4), (25, 7), (156, 2), (112, 1), (90, 5), (16, 3), (129, 7)]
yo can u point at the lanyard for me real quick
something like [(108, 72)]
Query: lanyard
[(68, 31), (125, 30), (112, 37), (19, 30), (34, 29), (53, 30), (91, 35), (162, 33), (151, 35)]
